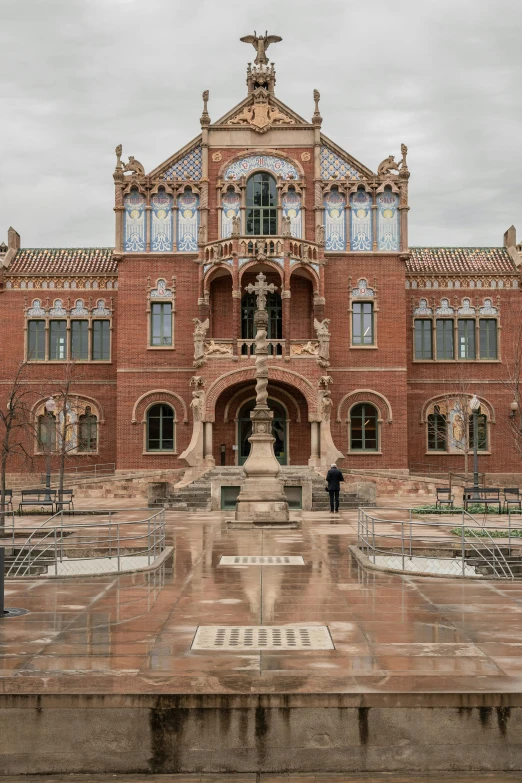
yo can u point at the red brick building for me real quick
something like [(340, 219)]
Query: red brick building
[(375, 345)]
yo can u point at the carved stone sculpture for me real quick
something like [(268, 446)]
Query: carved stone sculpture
[(387, 166), (261, 44), (319, 235), (236, 226), (323, 335), (200, 331), (326, 404), (286, 224), (134, 166), (202, 235), (222, 348), (198, 404)]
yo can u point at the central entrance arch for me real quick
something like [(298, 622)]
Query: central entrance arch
[(279, 430)]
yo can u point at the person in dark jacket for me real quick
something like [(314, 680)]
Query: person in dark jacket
[(333, 481)]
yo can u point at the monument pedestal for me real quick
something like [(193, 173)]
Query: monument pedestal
[(262, 501)]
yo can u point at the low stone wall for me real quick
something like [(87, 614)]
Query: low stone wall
[(278, 733)]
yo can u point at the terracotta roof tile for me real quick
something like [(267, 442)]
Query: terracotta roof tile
[(64, 261), (461, 260)]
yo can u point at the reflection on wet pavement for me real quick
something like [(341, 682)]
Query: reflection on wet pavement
[(391, 632)]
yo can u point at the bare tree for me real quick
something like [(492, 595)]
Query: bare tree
[(16, 430), (450, 418), (70, 423)]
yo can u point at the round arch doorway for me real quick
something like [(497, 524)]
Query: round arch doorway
[(279, 431)]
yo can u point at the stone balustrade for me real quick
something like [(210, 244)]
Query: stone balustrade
[(257, 247)]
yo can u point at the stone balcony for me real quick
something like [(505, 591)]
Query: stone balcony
[(250, 247), (242, 348)]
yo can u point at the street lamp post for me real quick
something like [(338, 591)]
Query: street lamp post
[(50, 407), (474, 406)]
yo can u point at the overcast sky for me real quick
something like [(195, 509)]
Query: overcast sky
[(80, 76)]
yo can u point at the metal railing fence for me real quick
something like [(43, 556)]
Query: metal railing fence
[(459, 546), (104, 544)]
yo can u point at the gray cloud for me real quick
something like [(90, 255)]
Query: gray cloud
[(79, 77)]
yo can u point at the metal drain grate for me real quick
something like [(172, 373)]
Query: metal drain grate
[(14, 612), (261, 560), (262, 637)]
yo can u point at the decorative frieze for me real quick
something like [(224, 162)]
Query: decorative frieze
[(462, 281)]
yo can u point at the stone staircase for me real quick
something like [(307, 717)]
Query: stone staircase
[(197, 496)]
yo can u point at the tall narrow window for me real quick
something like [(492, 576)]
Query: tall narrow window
[(444, 327), (161, 323), (466, 337), (88, 431), (47, 432), (80, 340), (58, 340), (363, 428), (423, 338), (261, 202), (437, 430), (101, 341), (488, 338), (362, 323), (482, 432), (36, 341), (160, 428), (275, 314)]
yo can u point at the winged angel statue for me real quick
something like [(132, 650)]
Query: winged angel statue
[(261, 44)]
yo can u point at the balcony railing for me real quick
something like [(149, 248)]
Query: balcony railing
[(248, 348), (254, 247)]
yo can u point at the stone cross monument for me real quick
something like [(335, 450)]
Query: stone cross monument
[(262, 501)]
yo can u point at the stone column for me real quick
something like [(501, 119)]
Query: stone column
[(262, 500), (314, 433), (207, 441)]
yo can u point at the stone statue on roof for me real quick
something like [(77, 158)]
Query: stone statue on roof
[(261, 44)]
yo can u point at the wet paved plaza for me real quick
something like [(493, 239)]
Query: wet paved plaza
[(133, 633)]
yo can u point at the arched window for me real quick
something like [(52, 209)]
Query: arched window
[(160, 428), (275, 315), (437, 430), (363, 428), (47, 432), (261, 202), (88, 431)]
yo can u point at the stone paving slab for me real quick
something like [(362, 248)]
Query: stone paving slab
[(133, 633), (435, 777)]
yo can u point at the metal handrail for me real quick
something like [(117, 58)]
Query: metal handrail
[(490, 551), (54, 539)]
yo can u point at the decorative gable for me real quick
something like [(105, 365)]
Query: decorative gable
[(335, 167), (189, 167)]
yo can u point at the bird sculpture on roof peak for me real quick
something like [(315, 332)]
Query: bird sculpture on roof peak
[(261, 44)]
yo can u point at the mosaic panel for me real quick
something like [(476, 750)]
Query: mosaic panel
[(334, 221), (332, 164), (134, 225), (292, 210), (231, 203), (387, 220), (278, 166), (361, 234), (188, 222), (161, 222), (190, 166)]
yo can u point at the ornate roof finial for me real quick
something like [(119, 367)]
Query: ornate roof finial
[(317, 119), (205, 118), (261, 44), (118, 152)]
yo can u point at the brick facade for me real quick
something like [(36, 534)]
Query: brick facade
[(314, 283)]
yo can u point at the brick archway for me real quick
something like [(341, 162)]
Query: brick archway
[(246, 375)]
